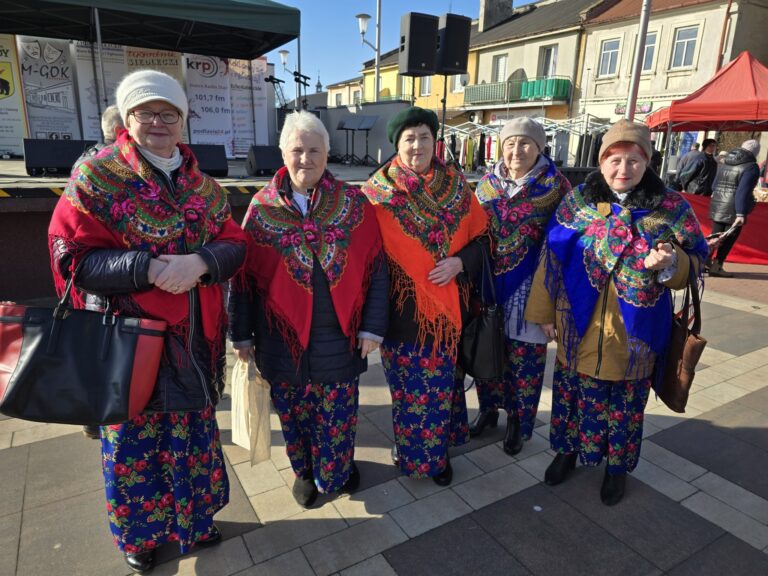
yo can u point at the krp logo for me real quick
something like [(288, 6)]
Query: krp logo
[(206, 66), (7, 87)]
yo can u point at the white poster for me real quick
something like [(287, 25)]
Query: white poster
[(91, 98), (160, 60), (210, 109), (48, 73), (260, 106), (12, 123)]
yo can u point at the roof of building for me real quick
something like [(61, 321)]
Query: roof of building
[(355, 80), (631, 9)]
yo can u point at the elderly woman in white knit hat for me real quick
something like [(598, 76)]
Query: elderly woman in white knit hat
[(520, 194), (152, 236), (614, 248)]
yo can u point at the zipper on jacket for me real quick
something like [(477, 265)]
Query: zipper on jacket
[(602, 328)]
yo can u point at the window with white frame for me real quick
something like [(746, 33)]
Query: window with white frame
[(547, 60), (457, 83), (609, 58), (499, 68), (356, 96), (684, 47), (404, 87), (338, 99), (426, 86), (650, 51)]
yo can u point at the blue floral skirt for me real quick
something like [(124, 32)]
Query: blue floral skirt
[(520, 387), (165, 478), (319, 423), (598, 418), (429, 410)]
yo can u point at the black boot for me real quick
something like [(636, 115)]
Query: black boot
[(353, 482), (558, 470), (513, 442), (483, 419), (141, 561), (612, 490), (304, 490), (395, 455), (445, 477)]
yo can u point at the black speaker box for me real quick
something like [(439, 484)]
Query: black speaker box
[(263, 160), (52, 157), (418, 44), (212, 159), (453, 44)]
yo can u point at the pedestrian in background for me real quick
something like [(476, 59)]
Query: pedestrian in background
[(519, 194), (614, 248), (699, 174)]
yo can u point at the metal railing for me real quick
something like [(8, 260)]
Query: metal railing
[(537, 89)]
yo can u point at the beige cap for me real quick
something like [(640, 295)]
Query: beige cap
[(525, 126), (627, 131)]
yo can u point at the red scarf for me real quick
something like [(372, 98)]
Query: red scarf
[(116, 200), (339, 230)]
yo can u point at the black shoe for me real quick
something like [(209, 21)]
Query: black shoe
[(395, 455), (214, 537), (304, 490), (612, 490), (558, 470), (483, 419), (445, 477), (513, 442), (353, 482), (92, 432), (141, 561)]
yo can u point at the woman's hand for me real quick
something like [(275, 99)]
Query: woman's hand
[(181, 273), (244, 354), (446, 270), (660, 257), (549, 331), (367, 346), (155, 267)]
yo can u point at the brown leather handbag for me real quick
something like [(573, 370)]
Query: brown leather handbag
[(685, 348)]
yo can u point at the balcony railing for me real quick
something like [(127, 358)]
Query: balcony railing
[(538, 89)]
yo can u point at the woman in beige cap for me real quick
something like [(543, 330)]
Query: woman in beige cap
[(153, 237), (519, 194), (614, 248)]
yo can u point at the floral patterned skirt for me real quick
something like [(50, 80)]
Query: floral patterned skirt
[(165, 478), (520, 386), (598, 418), (319, 423), (429, 410)]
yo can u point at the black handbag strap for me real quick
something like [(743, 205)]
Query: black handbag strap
[(487, 278), (65, 302), (693, 288)]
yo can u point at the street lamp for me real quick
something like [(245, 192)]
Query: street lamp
[(362, 22), (298, 77)]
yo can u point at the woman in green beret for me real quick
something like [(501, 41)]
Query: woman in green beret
[(433, 229)]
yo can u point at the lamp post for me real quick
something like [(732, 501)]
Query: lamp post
[(298, 77), (362, 22)]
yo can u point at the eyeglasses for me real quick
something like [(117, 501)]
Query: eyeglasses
[(147, 117)]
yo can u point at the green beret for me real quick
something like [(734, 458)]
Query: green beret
[(408, 118)]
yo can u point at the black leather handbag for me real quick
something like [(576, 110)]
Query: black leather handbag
[(481, 349), (71, 366)]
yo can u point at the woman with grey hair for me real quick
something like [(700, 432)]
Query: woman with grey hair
[(310, 305)]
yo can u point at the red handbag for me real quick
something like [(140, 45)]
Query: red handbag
[(71, 366)]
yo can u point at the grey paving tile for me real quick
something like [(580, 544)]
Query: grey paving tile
[(229, 557), (490, 457), (381, 417), (741, 334), (730, 519), (275, 505), (494, 486), (537, 527), (13, 476), (742, 421), (374, 566), (374, 390), (10, 527), (756, 400), (659, 479), (459, 548), (238, 516), (463, 470), (373, 502), (289, 564), (76, 461), (430, 512), (671, 462), (285, 535), (56, 536), (645, 520), (353, 545), (726, 555), (259, 478), (735, 496), (5, 440)]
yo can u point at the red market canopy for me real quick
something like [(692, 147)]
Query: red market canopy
[(735, 99)]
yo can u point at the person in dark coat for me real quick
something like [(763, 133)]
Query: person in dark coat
[(310, 305), (698, 175), (732, 200)]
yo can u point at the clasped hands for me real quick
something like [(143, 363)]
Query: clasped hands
[(176, 273)]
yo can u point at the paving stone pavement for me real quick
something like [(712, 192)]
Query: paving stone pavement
[(696, 505)]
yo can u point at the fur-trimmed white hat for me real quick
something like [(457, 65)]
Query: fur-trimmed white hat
[(147, 85)]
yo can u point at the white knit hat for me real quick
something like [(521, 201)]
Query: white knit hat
[(751, 146), (147, 85)]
